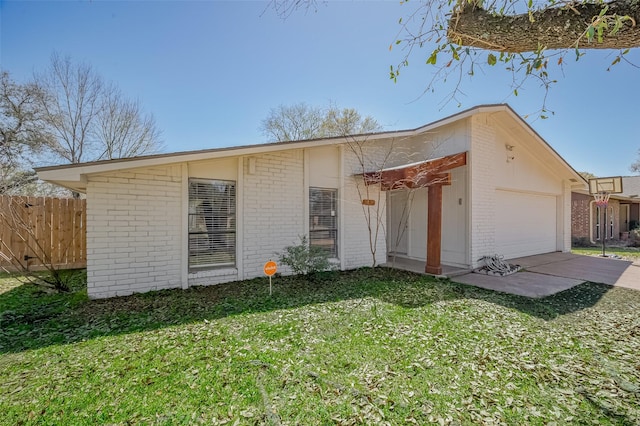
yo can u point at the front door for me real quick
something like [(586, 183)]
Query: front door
[(624, 217), (399, 202)]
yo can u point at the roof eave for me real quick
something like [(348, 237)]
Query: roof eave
[(73, 176)]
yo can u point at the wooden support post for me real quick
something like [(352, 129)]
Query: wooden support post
[(434, 230)]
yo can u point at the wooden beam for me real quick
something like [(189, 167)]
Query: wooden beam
[(418, 175), (432, 179), (438, 165), (434, 230)]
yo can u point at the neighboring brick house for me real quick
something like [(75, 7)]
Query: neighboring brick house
[(622, 214), (580, 216), (586, 217), (482, 182)]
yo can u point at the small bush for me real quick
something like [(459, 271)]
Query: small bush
[(304, 259), (581, 242)]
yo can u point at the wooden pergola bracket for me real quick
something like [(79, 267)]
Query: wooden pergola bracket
[(430, 174)]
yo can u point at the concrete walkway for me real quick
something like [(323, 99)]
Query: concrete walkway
[(551, 273)]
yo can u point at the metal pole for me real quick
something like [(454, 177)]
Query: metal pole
[(604, 228)]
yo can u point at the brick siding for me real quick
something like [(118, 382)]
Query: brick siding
[(133, 232)]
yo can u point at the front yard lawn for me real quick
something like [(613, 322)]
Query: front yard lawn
[(361, 347)]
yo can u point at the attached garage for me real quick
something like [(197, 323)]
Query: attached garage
[(525, 223)]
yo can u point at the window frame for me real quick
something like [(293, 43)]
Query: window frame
[(598, 227), (220, 240), (611, 221), (316, 221)]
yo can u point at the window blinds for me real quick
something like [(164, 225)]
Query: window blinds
[(212, 223), (323, 219)]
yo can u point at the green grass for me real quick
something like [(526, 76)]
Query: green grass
[(362, 347), (629, 253)]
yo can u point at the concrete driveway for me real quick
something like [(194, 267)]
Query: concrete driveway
[(551, 273)]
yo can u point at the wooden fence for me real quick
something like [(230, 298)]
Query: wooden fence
[(39, 230)]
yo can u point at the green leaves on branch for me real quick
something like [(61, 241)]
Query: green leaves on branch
[(395, 72), (618, 58), (602, 23)]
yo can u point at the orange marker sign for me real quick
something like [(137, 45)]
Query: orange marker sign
[(270, 268)]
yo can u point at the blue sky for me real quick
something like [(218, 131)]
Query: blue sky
[(210, 71)]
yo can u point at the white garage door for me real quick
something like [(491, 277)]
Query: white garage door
[(525, 224)]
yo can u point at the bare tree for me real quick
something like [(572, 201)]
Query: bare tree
[(347, 121), (91, 119), (22, 131), (292, 123), (368, 157), (587, 175), (301, 122), (284, 8), (635, 167), (71, 106), (124, 130), (14, 179)]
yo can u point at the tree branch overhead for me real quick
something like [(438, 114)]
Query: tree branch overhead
[(562, 27)]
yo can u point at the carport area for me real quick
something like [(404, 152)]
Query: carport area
[(551, 273)]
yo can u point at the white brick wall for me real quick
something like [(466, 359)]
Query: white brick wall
[(135, 224), (357, 249), (213, 276), (273, 208), (133, 231), (482, 193)]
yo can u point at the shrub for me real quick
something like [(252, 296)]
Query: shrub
[(304, 259), (581, 242)]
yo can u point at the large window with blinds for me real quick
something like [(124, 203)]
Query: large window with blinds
[(323, 219), (212, 223)]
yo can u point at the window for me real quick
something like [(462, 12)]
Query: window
[(610, 222), (212, 223), (597, 222), (606, 230), (323, 219)]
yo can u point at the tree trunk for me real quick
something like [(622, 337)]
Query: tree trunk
[(553, 28)]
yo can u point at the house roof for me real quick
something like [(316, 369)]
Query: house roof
[(631, 187), (74, 176)]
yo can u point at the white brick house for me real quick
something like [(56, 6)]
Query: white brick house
[(212, 216)]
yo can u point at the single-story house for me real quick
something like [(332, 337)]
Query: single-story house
[(622, 214), (480, 182)]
